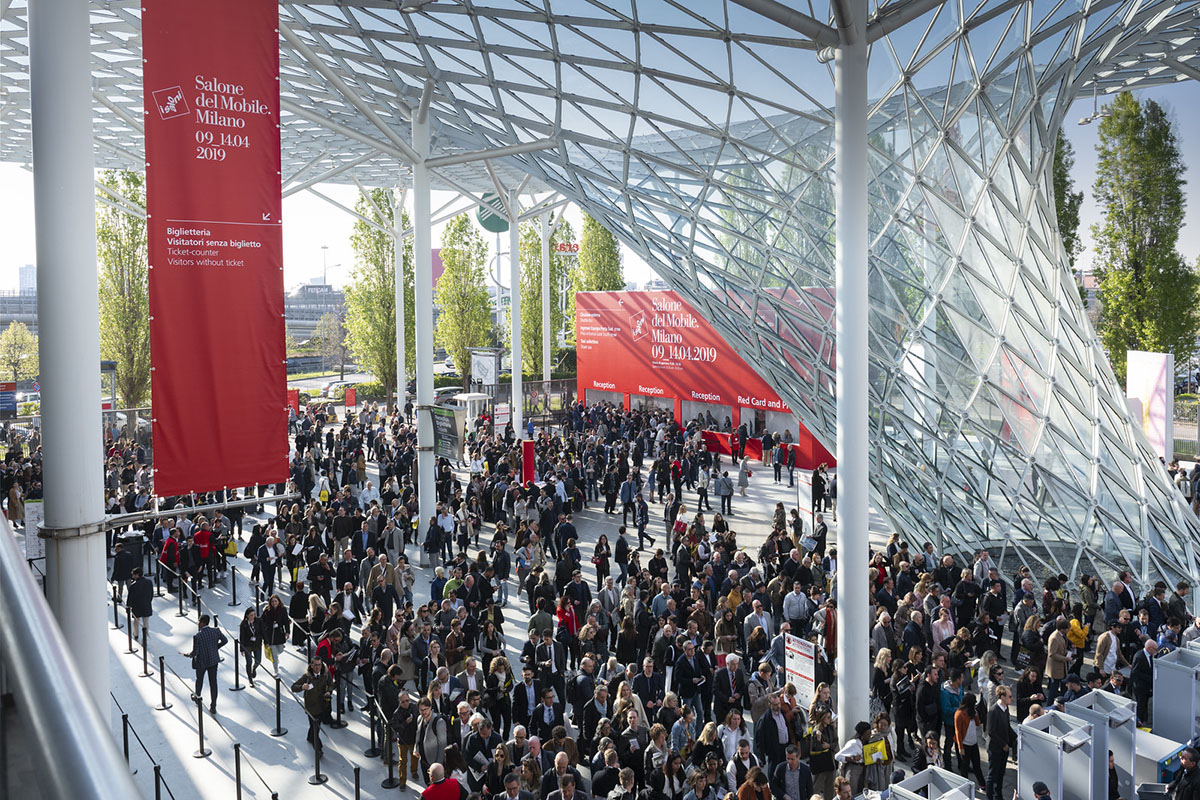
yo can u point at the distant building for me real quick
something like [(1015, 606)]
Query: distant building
[(20, 306), (304, 306), (28, 279)]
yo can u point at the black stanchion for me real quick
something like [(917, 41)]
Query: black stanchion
[(316, 779), (130, 649), (391, 781), (116, 611), (182, 592), (237, 768), (258, 600), (279, 729), (163, 705), (125, 736), (358, 783), (339, 723), (157, 782), (157, 586), (146, 673), (373, 750), (237, 672), (203, 752), (233, 601)]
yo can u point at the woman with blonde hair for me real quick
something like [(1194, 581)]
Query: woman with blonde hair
[(707, 742), (626, 699)]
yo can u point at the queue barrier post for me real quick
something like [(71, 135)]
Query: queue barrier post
[(157, 782), (358, 783), (233, 601), (317, 778), (339, 723), (373, 750), (202, 752), (391, 781), (163, 705), (125, 736), (116, 611), (237, 669), (279, 729), (146, 673), (237, 768), (182, 591), (129, 648)]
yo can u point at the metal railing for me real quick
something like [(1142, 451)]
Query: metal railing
[(71, 743)]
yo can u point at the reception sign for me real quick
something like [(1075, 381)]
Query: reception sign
[(211, 88)]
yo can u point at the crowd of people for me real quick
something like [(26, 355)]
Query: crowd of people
[(652, 662)]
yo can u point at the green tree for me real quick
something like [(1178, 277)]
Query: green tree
[(370, 321), (18, 352), (465, 318), (124, 286), (331, 340), (1067, 202), (531, 292), (599, 268), (1150, 296)]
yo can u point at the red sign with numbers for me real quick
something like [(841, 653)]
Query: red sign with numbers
[(211, 89)]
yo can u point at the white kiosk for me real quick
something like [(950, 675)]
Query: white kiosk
[(934, 783), (1177, 678), (1114, 727), (1058, 749)]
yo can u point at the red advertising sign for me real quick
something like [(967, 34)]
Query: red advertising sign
[(528, 456), (293, 399), (655, 344), (211, 89), (351, 400)]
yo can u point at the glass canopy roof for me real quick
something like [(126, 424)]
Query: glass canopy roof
[(701, 134)]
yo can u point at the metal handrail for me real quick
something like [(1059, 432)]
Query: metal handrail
[(71, 742)]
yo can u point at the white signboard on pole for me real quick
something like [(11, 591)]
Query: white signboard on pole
[(800, 667), (1150, 379), (35, 515)]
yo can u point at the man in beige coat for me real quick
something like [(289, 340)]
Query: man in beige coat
[(1058, 658)]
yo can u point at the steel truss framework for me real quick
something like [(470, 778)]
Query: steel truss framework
[(702, 134)]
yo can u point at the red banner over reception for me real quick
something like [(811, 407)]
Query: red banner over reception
[(211, 87)]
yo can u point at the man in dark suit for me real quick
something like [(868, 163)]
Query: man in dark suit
[(1141, 677), (513, 790), (347, 570), (1001, 739), (362, 540), (352, 602), (140, 600), (650, 687), (206, 654), (551, 659), (729, 688), (771, 734), (525, 697), (567, 790), (547, 716), (688, 675), (480, 751), (792, 779)]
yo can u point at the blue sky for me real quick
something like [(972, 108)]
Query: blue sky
[(310, 223)]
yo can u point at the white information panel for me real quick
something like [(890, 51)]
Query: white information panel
[(800, 667)]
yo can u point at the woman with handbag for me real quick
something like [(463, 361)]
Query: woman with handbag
[(600, 557), (822, 737)]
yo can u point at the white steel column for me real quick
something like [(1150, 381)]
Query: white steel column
[(423, 301), (514, 276), (69, 331), (546, 297), (401, 344), (850, 201)]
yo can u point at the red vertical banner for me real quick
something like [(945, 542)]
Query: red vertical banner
[(350, 397), (527, 459), (293, 399), (211, 89)]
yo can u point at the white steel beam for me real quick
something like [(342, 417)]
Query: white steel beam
[(423, 300)]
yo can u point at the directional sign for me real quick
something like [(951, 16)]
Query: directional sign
[(8, 399), (491, 214)]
